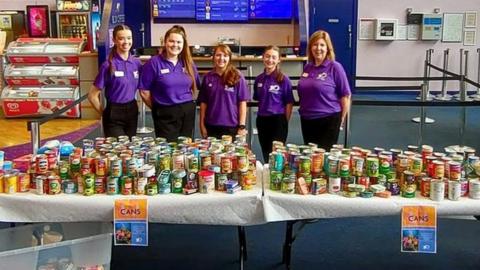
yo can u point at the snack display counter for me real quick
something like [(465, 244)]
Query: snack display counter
[(20, 101), (42, 77), (36, 50)]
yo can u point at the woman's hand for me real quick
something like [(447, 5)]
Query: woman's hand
[(242, 131), (203, 131)]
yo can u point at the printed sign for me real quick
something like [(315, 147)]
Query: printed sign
[(131, 222), (419, 229)]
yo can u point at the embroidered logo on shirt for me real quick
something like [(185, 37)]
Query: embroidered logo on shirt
[(260, 85), (229, 88), (210, 85), (305, 75), (274, 89), (135, 74), (322, 76)]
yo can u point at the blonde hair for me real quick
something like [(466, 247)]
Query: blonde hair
[(320, 34)]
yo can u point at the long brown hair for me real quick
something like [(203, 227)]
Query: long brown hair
[(185, 56), (277, 73), (320, 34), (231, 75), (113, 50)]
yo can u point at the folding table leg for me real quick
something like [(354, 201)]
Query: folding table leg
[(243, 245), (287, 247)]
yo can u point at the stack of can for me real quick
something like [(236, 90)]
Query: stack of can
[(139, 166), (363, 172)]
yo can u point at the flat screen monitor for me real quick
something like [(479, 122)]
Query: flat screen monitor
[(168, 9), (222, 10), (270, 9)]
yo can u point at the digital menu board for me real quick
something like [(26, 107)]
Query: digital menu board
[(168, 9), (270, 9), (222, 10)]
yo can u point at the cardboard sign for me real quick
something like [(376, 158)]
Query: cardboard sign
[(131, 222), (419, 229)]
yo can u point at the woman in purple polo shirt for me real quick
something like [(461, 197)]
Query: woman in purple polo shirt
[(273, 90), (167, 84), (324, 93), (223, 97), (119, 77)]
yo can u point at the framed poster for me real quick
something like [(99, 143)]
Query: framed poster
[(470, 37), (470, 19), (38, 21), (452, 27)]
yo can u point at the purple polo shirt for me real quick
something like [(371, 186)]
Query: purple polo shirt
[(222, 100), (169, 84), (320, 89), (272, 96), (122, 85)]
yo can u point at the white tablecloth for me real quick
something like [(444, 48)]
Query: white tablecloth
[(279, 206), (242, 208)]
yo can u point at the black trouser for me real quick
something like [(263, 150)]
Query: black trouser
[(322, 131), (120, 119), (218, 131), (271, 128), (173, 121)]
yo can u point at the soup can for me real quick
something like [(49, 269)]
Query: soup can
[(474, 189), (454, 190), (437, 190)]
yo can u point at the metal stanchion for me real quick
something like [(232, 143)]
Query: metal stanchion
[(249, 110), (35, 136), (463, 88), (423, 97), (444, 96), (142, 129), (460, 82), (426, 82), (347, 128), (477, 95)]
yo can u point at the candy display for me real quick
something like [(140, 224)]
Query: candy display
[(358, 172), (137, 167)]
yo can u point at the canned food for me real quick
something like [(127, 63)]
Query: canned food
[(439, 169), (206, 181), (242, 163), (54, 185), (437, 190), (455, 170), (334, 185), (317, 161), (10, 183), (23, 182), (178, 177), (474, 189), (276, 180), (288, 185), (454, 190), (39, 183), (425, 186), (41, 164), (226, 164), (372, 166), (112, 185)]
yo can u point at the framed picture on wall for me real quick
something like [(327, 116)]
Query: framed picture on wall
[(470, 19), (38, 21)]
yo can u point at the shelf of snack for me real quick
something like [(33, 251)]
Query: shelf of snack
[(42, 77), (308, 182), (220, 178)]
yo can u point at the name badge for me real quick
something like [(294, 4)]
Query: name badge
[(135, 74), (305, 75), (165, 71), (118, 73)]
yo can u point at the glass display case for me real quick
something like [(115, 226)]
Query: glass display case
[(41, 75), (45, 50), (21, 101), (73, 24)]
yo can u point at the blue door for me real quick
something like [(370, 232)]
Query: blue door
[(338, 18)]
